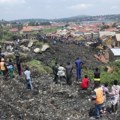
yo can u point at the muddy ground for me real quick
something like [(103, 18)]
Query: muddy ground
[(49, 101)]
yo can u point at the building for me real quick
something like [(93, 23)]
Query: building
[(106, 33), (114, 54), (118, 40)]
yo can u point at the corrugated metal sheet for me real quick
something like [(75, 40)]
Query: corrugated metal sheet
[(116, 51), (118, 37)]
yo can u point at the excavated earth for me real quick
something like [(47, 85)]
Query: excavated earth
[(49, 101)]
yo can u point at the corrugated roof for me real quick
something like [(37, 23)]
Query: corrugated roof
[(118, 37), (116, 51)]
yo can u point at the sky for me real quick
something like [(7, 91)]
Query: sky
[(52, 9)]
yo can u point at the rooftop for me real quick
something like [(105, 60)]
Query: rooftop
[(116, 51)]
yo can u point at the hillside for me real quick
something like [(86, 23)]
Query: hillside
[(49, 101), (79, 18)]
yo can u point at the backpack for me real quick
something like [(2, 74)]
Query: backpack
[(92, 112)]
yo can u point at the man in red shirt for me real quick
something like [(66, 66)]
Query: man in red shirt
[(85, 83)]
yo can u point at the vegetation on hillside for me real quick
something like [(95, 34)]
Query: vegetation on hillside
[(105, 75), (39, 67)]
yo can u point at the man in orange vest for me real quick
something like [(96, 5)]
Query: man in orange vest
[(98, 96)]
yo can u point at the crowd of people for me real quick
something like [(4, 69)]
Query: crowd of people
[(99, 92), (9, 67)]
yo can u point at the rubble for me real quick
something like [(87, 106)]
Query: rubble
[(48, 101), (52, 101)]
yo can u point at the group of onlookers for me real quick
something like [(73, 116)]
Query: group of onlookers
[(66, 72), (8, 68), (100, 93)]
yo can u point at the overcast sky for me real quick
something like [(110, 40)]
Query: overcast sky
[(20, 9)]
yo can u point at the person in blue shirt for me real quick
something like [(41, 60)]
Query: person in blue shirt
[(78, 64)]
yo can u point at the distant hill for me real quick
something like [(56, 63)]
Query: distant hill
[(80, 18), (31, 20), (102, 18)]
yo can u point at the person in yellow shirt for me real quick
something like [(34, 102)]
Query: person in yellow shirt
[(3, 68), (98, 96)]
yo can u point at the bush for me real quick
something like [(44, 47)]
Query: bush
[(39, 67)]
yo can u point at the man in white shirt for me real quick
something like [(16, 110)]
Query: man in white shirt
[(115, 91), (28, 78), (61, 72)]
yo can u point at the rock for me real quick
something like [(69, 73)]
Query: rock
[(8, 54), (45, 47), (25, 49), (37, 50), (30, 44)]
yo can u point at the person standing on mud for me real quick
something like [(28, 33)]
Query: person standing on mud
[(10, 68), (85, 83), (27, 74), (97, 74), (3, 68), (78, 64), (18, 64), (115, 94), (55, 70), (17, 54), (98, 96), (61, 72), (69, 73)]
